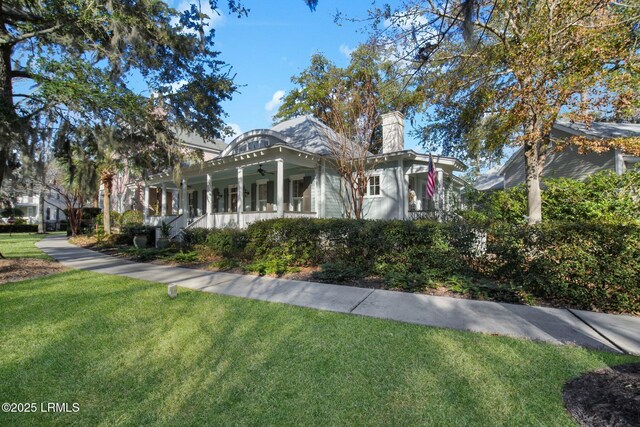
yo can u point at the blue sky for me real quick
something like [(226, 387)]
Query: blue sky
[(275, 42)]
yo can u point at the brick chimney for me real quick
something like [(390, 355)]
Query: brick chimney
[(392, 132)]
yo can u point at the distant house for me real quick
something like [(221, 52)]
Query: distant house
[(286, 171), (53, 210), (567, 163)]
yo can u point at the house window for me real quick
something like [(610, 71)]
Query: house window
[(48, 214), (262, 196), (373, 189), (297, 194)]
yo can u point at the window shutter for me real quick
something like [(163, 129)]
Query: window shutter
[(204, 202), (270, 195), (226, 200), (286, 194), (169, 203), (195, 203), (254, 195), (216, 196), (306, 194)]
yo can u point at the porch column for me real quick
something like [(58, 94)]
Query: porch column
[(404, 190), (184, 202), (145, 204), (280, 189), (209, 201), (240, 196), (163, 206), (440, 190), (175, 196), (316, 190), (322, 213)]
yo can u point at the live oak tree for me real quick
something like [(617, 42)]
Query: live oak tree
[(77, 59), (498, 73)]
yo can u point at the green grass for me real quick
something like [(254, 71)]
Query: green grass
[(131, 356), (21, 245)]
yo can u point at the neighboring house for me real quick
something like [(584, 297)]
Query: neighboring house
[(287, 171), (53, 210), (128, 194), (568, 163)]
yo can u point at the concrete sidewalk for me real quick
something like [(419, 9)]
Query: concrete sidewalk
[(613, 333)]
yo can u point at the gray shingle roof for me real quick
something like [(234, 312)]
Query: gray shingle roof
[(307, 133)]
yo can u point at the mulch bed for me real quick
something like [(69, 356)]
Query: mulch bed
[(16, 269), (606, 397)]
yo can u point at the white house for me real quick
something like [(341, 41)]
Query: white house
[(287, 171), (568, 163), (53, 210)]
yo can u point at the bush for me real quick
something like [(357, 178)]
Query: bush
[(114, 219), (186, 257), (195, 236), (585, 265), (227, 242), (603, 197), (11, 212), (130, 218), (18, 228), (589, 266)]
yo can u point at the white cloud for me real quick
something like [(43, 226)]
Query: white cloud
[(236, 131), (215, 16), (346, 50), (276, 101)]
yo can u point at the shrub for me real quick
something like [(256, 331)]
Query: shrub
[(186, 256), (130, 218), (195, 236), (603, 197), (114, 219), (296, 239), (18, 228), (590, 266), (339, 272), (227, 242), (277, 266), (585, 265)]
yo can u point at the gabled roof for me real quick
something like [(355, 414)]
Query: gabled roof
[(193, 140), (597, 130), (600, 130)]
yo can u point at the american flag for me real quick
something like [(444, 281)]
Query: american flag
[(431, 179)]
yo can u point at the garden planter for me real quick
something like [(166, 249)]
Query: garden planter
[(140, 241), (162, 242)]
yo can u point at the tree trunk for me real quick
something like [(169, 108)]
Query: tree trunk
[(107, 184), (41, 225), (534, 196), (7, 112)]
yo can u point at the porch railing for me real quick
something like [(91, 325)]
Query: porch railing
[(198, 222)]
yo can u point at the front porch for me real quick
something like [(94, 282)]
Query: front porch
[(226, 194)]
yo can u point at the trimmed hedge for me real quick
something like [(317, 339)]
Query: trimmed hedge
[(586, 265), (19, 228)]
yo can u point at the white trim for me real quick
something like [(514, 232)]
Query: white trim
[(296, 177), (262, 181)]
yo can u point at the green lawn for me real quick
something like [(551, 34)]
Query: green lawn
[(21, 245), (130, 356)]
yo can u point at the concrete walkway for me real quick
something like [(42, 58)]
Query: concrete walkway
[(615, 333)]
